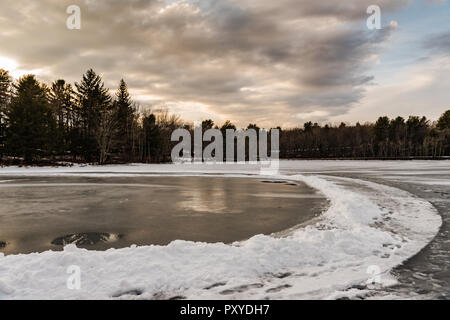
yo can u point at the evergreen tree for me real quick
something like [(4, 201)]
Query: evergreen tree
[(444, 121), (253, 126), (61, 101), (31, 123), (381, 135), (5, 87), (5, 90), (307, 127), (94, 103), (152, 139), (444, 134), (207, 124), (417, 131), (397, 136), (228, 125), (125, 117)]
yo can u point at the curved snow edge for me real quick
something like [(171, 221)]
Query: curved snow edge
[(319, 261)]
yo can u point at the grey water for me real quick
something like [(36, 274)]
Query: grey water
[(98, 213)]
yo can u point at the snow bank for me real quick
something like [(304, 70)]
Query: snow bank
[(413, 167), (366, 225)]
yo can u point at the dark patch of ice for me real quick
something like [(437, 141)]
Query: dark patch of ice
[(165, 296), (88, 238), (273, 181), (278, 289), (215, 285), (242, 288), (134, 292), (280, 275)]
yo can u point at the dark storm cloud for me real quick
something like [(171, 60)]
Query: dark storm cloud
[(238, 58)]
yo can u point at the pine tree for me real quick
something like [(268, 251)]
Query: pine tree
[(381, 135), (207, 124), (417, 131), (397, 136), (444, 134), (125, 117), (5, 87), (444, 121), (31, 124), (61, 101), (94, 103), (152, 139)]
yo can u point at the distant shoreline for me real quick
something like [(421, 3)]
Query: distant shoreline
[(374, 158), (57, 164)]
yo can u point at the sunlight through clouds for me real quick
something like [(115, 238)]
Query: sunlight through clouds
[(246, 61)]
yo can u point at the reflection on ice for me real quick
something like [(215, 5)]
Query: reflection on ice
[(38, 213)]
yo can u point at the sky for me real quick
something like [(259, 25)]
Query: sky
[(274, 63)]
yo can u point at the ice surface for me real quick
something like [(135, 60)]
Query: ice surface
[(367, 224)]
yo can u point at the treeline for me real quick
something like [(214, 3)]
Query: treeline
[(415, 137), (85, 123)]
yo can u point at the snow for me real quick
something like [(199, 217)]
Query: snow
[(414, 167), (366, 224)]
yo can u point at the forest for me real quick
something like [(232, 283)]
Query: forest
[(63, 123)]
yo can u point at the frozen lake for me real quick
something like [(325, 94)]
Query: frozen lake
[(387, 216), (45, 213)]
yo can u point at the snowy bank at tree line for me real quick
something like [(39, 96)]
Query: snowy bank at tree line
[(366, 225), (299, 165)]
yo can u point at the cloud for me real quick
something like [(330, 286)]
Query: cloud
[(438, 43), (244, 60), (417, 90)]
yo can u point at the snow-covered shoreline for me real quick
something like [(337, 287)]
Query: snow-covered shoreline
[(366, 225), (300, 166)]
